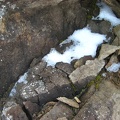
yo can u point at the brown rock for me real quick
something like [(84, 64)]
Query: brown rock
[(32, 108), (82, 75), (13, 111), (67, 68), (58, 111), (112, 60), (103, 104), (50, 84), (69, 102), (62, 118), (116, 41), (32, 31), (82, 61), (107, 50), (117, 30)]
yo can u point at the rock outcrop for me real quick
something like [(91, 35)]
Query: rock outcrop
[(30, 29)]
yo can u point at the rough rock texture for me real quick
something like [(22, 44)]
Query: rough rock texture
[(103, 105), (45, 84), (116, 41), (82, 61), (31, 108), (112, 60), (13, 111), (107, 50), (82, 75), (101, 27), (58, 111), (30, 30)]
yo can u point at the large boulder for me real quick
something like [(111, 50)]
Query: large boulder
[(104, 104), (30, 28)]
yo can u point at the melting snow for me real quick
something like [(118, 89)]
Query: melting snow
[(84, 43), (107, 14), (23, 80), (114, 67)]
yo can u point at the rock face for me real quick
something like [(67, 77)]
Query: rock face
[(13, 111), (82, 75), (103, 105), (58, 111), (30, 30)]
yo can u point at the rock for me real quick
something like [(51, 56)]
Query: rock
[(46, 108), (102, 27), (116, 30), (13, 111), (63, 118), (32, 28), (69, 102), (104, 104), (107, 50), (112, 60), (50, 84), (58, 111), (115, 5), (82, 61), (82, 75), (32, 108), (116, 42), (67, 68), (2, 26)]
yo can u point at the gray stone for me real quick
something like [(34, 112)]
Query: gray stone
[(112, 60), (50, 84), (104, 104), (67, 68), (102, 27), (107, 50), (32, 89), (32, 108), (91, 68), (13, 111), (58, 111)]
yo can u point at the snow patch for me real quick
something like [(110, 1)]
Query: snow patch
[(23, 80), (84, 43), (107, 14), (114, 67)]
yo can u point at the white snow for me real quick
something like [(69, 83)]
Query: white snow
[(23, 80), (114, 67), (84, 43), (107, 14), (2, 11)]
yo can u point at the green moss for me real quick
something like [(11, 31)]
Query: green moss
[(91, 9), (73, 87), (95, 82)]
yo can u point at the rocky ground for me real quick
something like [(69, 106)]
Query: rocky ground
[(84, 90)]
